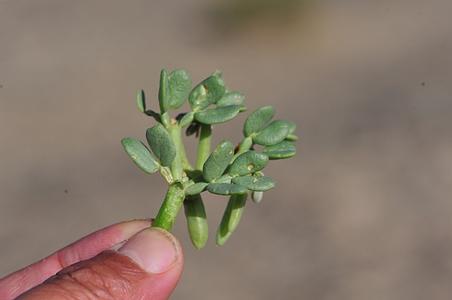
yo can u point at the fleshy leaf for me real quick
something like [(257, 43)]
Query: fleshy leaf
[(196, 188), (255, 183), (140, 155), (161, 144), (226, 189), (217, 115), (179, 85), (292, 138), (274, 133), (186, 119), (196, 221), (285, 149), (258, 120), (163, 91), (209, 91), (231, 98), (218, 161), (247, 163), (141, 101), (231, 218)]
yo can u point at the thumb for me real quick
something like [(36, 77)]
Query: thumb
[(148, 266)]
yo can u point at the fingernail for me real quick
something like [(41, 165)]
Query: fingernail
[(154, 250)]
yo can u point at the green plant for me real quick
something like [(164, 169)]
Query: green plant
[(227, 170)]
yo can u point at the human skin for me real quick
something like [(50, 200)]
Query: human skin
[(146, 265)]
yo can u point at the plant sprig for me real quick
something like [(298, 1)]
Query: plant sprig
[(226, 170)]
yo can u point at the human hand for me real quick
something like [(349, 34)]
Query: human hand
[(147, 265)]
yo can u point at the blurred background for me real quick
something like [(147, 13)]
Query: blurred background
[(363, 212)]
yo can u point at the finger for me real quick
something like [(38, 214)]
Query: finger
[(148, 266), (18, 282)]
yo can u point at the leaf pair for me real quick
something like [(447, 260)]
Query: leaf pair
[(264, 132), (275, 136), (212, 91), (161, 145)]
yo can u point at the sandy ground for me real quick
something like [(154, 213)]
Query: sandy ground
[(363, 212)]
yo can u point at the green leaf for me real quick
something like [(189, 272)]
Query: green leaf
[(292, 138), (247, 163), (231, 98), (226, 178), (292, 127), (255, 183), (209, 91), (226, 189), (217, 115), (257, 196), (258, 120), (179, 85), (140, 155), (141, 101), (196, 188), (186, 119), (274, 133), (153, 114), (218, 161), (163, 91), (161, 144), (231, 218), (196, 221), (285, 149)]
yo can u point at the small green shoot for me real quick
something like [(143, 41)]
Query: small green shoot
[(226, 170)]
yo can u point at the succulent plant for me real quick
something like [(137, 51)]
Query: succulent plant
[(228, 170)]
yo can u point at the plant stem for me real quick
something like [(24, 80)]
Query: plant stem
[(181, 161), (205, 139), (170, 207)]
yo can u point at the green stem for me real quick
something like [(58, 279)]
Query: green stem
[(170, 207), (181, 161), (205, 139)]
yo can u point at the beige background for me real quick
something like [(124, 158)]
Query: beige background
[(363, 212)]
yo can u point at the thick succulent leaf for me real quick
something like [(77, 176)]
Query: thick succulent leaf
[(141, 101), (163, 91), (187, 119), (196, 221), (274, 133), (226, 178), (258, 120), (226, 189), (209, 91), (292, 127), (161, 144), (247, 163), (231, 98), (231, 218), (140, 155), (255, 183), (196, 188), (285, 149), (217, 115), (257, 196), (292, 137), (179, 85), (218, 161)]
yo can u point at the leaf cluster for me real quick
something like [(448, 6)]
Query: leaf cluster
[(229, 170)]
